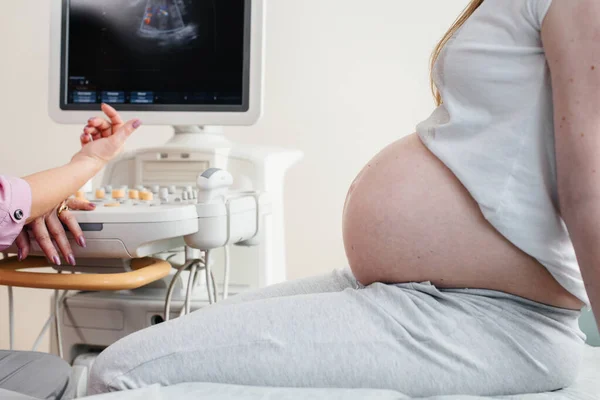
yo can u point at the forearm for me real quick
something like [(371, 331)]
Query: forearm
[(49, 188), (583, 220)]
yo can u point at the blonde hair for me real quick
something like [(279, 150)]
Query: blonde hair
[(462, 18)]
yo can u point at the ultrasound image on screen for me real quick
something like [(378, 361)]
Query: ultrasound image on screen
[(184, 53)]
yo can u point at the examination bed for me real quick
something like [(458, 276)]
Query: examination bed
[(587, 387)]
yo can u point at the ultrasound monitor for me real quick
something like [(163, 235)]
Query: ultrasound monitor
[(167, 62)]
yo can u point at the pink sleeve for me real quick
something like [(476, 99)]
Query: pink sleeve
[(15, 207)]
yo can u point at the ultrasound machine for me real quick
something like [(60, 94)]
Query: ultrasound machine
[(177, 226)]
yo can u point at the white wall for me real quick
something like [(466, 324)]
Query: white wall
[(344, 78)]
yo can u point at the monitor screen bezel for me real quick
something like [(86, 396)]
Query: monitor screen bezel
[(177, 115)]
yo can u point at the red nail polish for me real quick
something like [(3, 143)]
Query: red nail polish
[(137, 123), (81, 242)]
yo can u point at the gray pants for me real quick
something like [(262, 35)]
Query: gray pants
[(331, 332), (38, 375)]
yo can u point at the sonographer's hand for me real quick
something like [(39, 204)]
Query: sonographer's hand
[(49, 232), (102, 140)]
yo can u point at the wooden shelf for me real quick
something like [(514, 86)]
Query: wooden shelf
[(144, 271)]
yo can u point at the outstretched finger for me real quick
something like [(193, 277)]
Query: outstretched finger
[(114, 116)]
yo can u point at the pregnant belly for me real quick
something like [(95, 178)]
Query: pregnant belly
[(408, 219)]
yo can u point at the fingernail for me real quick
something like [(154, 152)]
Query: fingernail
[(71, 260), (81, 241), (137, 123), (83, 136), (91, 119), (92, 205), (20, 255), (56, 260)]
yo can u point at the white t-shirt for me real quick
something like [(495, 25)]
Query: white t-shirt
[(495, 130)]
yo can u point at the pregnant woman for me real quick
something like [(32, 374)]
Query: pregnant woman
[(472, 244)]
